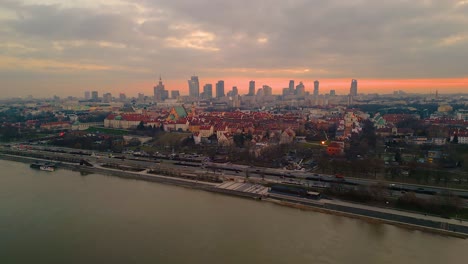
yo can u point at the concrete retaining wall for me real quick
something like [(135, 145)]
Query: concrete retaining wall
[(399, 218)]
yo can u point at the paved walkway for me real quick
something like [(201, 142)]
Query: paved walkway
[(146, 173), (244, 187), (398, 212)]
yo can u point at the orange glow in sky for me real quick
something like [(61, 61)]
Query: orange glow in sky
[(341, 86)]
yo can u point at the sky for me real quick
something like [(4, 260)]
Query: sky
[(56, 47)]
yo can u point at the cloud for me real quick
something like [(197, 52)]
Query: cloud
[(454, 40), (333, 39)]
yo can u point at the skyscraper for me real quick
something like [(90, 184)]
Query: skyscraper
[(353, 89), (267, 91), (87, 95), (208, 91), (260, 92), (220, 89), (107, 98), (234, 91), (332, 92), (251, 88), (316, 87), (160, 94), (194, 87), (94, 95), (291, 87), (300, 89), (175, 94)]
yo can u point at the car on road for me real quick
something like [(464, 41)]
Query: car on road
[(339, 176)]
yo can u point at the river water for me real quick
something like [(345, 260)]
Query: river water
[(64, 217)]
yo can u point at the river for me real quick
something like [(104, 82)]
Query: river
[(64, 217)]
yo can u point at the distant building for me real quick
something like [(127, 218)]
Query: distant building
[(236, 101), (335, 148), (445, 108), (260, 93), (234, 91), (251, 88), (287, 136), (300, 89), (107, 98), (176, 113), (208, 91), (94, 95), (87, 95), (194, 87), (122, 97), (316, 88), (220, 89), (267, 91), (160, 93), (291, 87), (459, 137), (56, 125), (462, 114), (130, 120), (332, 92), (175, 94), (353, 89)]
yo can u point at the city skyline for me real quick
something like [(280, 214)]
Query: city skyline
[(334, 86), (52, 47)]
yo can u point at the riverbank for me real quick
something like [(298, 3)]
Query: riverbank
[(193, 184), (370, 214), (367, 213)]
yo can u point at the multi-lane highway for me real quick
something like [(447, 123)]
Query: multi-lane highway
[(200, 165)]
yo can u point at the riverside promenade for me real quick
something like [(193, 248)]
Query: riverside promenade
[(433, 224)]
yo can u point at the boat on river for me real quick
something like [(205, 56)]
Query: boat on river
[(47, 166)]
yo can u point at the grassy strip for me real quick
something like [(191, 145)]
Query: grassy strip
[(110, 131)]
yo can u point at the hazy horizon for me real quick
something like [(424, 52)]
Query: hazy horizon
[(51, 47)]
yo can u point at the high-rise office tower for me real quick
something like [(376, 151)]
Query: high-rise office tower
[(316, 88), (208, 91), (220, 89), (175, 94), (194, 86), (332, 92), (251, 88), (107, 97), (267, 91), (353, 89), (94, 95), (87, 95), (234, 91), (300, 89), (260, 92), (291, 86)]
